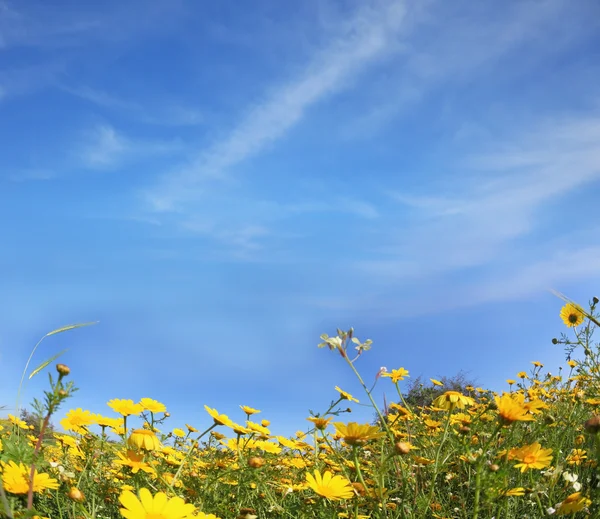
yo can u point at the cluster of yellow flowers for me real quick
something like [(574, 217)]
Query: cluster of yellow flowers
[(464, 453)]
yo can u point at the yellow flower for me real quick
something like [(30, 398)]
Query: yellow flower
[(106, 421), (18, 422), (522, 374), (531, 457), (249, 410), (510, 381), (576, 457), (511, 409), (396, 374), (144, 439), (219, 419), (517, 491), (15, 479), (574, 503), (453, 399), (537, 364), (125, 407), (572, 315), (77, 420), (436, 382), (153, 406), (158, 506), (134, 460), (256, 427), (178, 432), (191, 428), (345, 396), (320, 422), (572, 363), (329, 486), (356, 434)]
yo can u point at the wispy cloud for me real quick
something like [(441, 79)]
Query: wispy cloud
[(165, 113), (499, 201), (461, 44), (367, 37), (106, 148)]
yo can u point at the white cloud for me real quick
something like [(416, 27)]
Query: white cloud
[(164, 113), (493, 225), (106, 148), (364, 39)]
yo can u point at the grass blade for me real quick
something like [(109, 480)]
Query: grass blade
[(45, 363)]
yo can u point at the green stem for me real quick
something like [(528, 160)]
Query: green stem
[(437, 459), (5, 503)]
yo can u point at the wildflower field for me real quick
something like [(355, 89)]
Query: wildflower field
[(531, 451)]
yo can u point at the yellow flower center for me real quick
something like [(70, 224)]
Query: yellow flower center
[(530, 458)]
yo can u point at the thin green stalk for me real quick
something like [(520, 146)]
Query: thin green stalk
[(5, 503), (437, 459)]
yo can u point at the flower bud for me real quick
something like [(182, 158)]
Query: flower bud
[(593, 425), (595, 300), (554, 340), (76, 495), (256, 462), (402, 447), (494, 467), (63, 369)]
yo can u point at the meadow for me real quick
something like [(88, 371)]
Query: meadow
[(531, 451)]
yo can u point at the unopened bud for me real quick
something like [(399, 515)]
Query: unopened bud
[(63, 369), (256, 462), (494, 467), (593, 425), (62, 393), (595, 300), (76, 495), (402, 447), (555, 341)]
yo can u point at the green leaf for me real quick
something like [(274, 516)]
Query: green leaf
[(45, 363), (69, 327)]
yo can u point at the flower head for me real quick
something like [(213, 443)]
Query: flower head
[(330, 486), (249, 410), (77, 420), (15, 479), (531, 457), (511, 409), (153, 406), (125, 407), (320, 422), (344, 395), (453, 399), (219, 419), (572, 315), (158, 506), (144, 439), (396, 374), (574, 503), (357, 434)]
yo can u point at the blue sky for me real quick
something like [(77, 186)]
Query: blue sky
[(218, 184)]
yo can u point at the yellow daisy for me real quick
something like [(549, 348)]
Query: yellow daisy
[(158, 506), (330, 486), (572, 315)]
